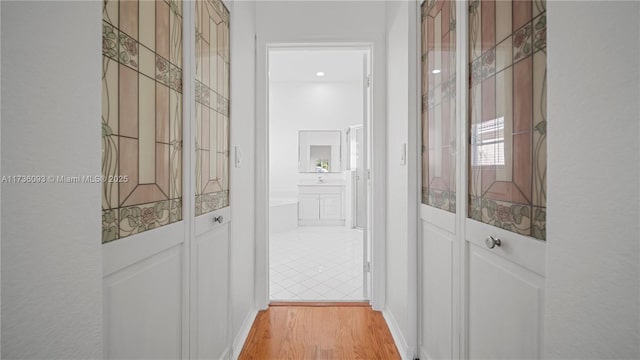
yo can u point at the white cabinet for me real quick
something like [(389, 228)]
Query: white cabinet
[(320, 204), (308, 207), (331, 206)]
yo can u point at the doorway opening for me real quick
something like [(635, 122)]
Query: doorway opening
[(318, 118)]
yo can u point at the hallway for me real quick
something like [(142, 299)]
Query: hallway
[(331, 331), (505, 181)]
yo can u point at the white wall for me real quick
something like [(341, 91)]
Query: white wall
[(402, 197), (242, 178), (593, 254), (51, 252), (297, 106)]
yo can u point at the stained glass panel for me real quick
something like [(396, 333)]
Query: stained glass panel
[(141, 116), (212, 106), (439, 104), (507, 102)]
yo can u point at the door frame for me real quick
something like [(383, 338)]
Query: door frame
[(376, 130)]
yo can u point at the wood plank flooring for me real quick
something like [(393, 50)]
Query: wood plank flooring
[(329, 331)]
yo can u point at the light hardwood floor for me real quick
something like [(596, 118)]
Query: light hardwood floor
[(319, 331)]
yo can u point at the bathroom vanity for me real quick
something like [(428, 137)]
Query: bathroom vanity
[(321, 192), (321, 204)]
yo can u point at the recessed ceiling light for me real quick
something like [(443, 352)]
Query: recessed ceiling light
[(436, 71), (319, 74)]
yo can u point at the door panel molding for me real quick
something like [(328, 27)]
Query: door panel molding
[(128, 251), (506, 304), (142, 305), (525, 251), (207, 222), (211, 336), (438, 333), (440, 218)]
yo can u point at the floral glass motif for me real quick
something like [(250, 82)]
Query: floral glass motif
[(141, 116), (439, 104), (212, 106), (508, 117)]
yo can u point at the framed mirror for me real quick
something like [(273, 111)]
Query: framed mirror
[(319, 151)]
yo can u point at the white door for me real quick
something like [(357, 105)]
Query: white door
[(484, 160), (145, 227), (439, 243), (505, 228), (210, 306), (166, 271)]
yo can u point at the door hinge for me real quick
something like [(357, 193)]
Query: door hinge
[(369, 174), (368, 80), (367, 267)]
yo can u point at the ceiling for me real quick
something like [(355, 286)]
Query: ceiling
[(302, 65)]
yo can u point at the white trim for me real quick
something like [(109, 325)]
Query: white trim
[(442, 219), (262, 178), (406, 353), (413, 199), (117, 255), (226, 355), (423, 354), (530, 253), (376, 46), (461, 261), (205, 222), (188, 136), (420, 244), (241, 338)]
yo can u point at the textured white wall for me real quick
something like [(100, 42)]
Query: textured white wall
[(402, 198), (397, 176), (306, 106), (242, 178), (592, 308), (51, 252), (322, 20)]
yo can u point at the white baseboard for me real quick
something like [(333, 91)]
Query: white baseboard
[(226, 355), (241, 337), (423, 354), (401, 343)]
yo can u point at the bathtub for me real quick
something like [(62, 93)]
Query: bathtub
[(283, 214)]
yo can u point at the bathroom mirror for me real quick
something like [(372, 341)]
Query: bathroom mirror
[(319, 151)]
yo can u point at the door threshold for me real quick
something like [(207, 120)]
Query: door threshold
[(320, 303)]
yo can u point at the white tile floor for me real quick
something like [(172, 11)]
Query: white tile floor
[(319, 263)]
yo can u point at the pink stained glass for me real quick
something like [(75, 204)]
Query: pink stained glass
[(507, 125)]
